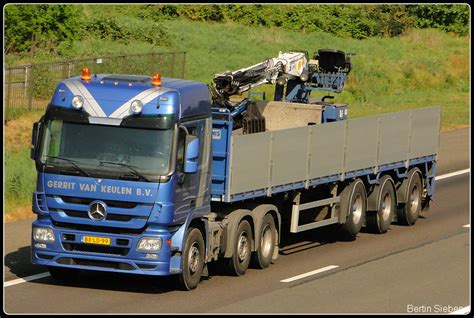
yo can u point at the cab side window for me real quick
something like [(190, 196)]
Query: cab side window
[(181, 148)]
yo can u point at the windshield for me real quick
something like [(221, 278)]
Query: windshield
[(89, 149)]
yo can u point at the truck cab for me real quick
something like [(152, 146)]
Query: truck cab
[(123, 166)]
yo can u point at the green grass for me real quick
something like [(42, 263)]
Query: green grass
[(20, 180)]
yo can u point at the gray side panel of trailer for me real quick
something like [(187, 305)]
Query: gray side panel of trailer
[(264, 160), (289, 155), (327, 149), (250, 163), (393, 137), (361, 143), (424, 132)]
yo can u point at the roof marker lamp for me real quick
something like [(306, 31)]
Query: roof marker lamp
[(156, 79), (77, 102), (86, 74), (136, 107)]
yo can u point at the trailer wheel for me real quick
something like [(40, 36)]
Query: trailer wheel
[(379, 221), (408, 213), (193, 260), (353, 204), (63, 273), (240, 260), (262, 257)]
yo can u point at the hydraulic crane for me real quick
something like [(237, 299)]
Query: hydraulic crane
[(326, 71)]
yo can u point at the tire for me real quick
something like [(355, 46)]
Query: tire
[(354, 203), (242, 251), (379, 221), (193, 260), (262, 257), (408, 213), (64, 274)]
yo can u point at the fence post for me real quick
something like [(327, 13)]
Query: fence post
[(65, 70), (8, 102), (30, 87), (25, 83), (173, 60)]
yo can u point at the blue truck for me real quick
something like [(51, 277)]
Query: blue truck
[(162, 176)]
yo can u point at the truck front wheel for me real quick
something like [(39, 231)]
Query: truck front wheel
[(193, 260)]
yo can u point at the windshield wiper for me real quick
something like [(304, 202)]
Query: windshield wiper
[(131, 168), (72, 162)]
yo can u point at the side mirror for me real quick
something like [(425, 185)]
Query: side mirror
[(34, 139), (191, 154)]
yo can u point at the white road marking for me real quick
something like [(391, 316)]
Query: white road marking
[(462, 311), (452, 174), (324, 269), (25, 279), (467, 225)]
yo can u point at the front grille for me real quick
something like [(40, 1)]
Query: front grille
[(110, 217), (110, 250), (111, 203), (94, 263), (97, 228)]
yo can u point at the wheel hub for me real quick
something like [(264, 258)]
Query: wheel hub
[(193, 259), (242, 247)]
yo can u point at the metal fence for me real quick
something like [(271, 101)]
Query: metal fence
[(30, 87)]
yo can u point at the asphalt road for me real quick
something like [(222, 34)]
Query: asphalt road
[(424, 268)]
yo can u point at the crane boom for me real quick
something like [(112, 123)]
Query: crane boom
[(267, 72)]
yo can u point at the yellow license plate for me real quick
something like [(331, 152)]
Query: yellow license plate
[(96, 240)]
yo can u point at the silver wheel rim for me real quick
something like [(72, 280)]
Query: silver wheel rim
[(266, 241), (193, 258), (357, 209), (414, 199), (386, 206), (242, 246)]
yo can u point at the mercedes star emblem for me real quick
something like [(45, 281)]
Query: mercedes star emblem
[(97, 210)]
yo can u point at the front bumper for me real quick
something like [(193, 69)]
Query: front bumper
[(121, 255)]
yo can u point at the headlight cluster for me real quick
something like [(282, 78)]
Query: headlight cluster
[(149, 244), (43, 234)]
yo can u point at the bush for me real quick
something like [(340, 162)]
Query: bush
[(32, 27), (127, 29), (450, 18)]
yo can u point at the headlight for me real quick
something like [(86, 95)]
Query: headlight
[(136, 106), (148, 244), (43, 234), (77, 102)]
